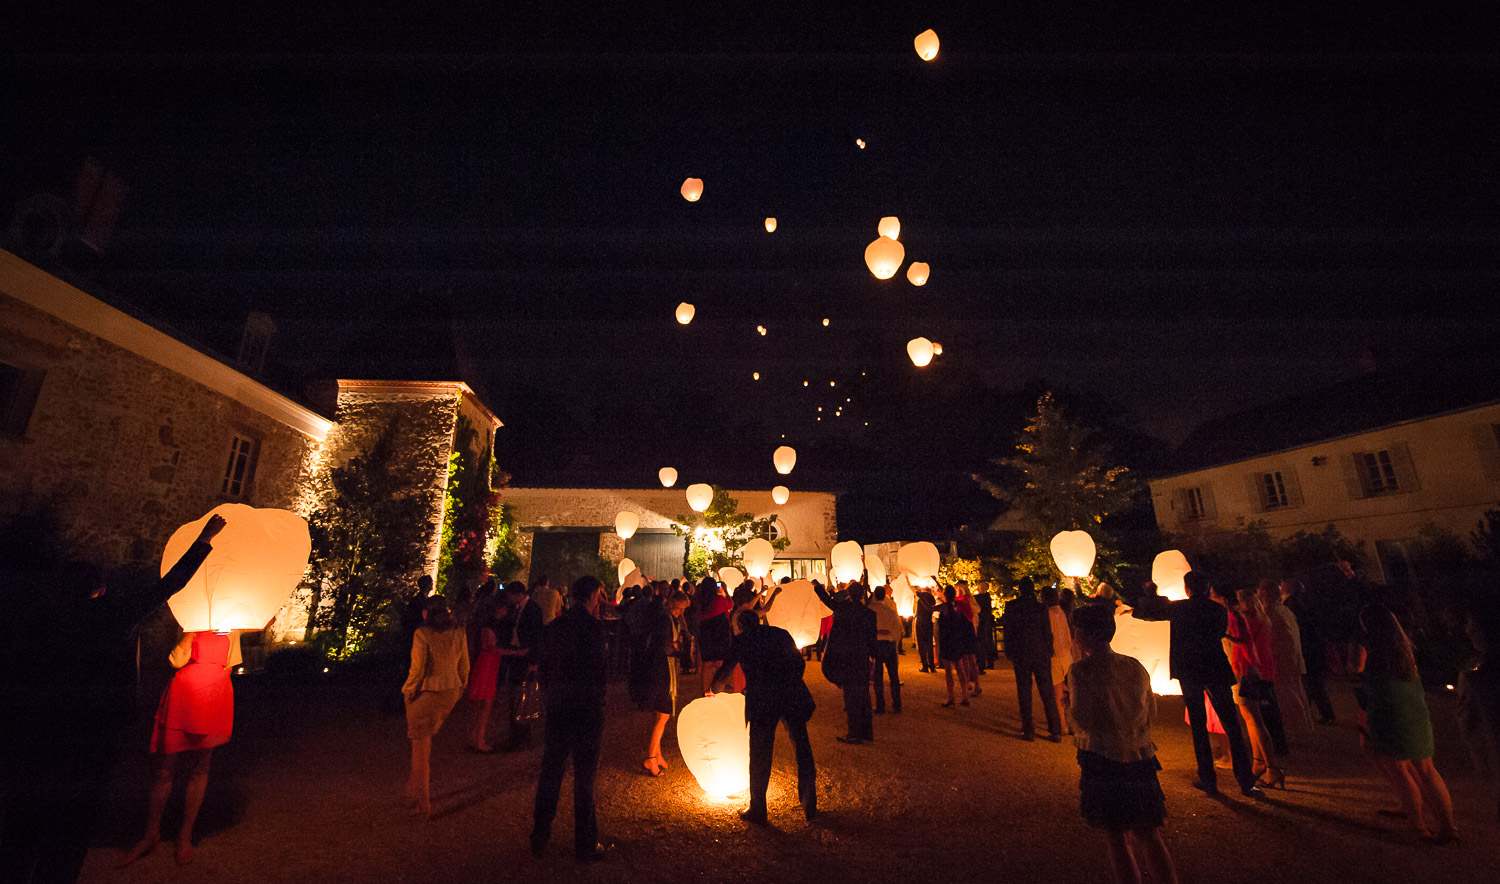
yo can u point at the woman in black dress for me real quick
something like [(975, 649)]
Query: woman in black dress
[(657, 688), (956, 640)]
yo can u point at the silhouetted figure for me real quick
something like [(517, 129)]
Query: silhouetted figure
[(574, 679), (887, 661), (984, 626), (527, 641), (1479, 698), (955, 642), (846, 662), (1311, 633), (774, 691), (926, 607), (1028, 644), (435, 680)]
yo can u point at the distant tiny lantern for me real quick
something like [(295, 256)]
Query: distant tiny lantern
[(926, 44), (1073, 551), (884, 257), (755, 375), (847, 561), (825, 322), (770, 225), (699, 496), (625, 524), (860, 142), (920, 350), (804, 383), (758, 555), (685, 312), (668, 477), (781, 494), (917, 273), (784, 458), (890, 227), (761, 329), (714, 739), (1167, 571), (937, 349), (692, 189)]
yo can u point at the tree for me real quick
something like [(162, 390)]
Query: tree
[(367, 540), (1061, 477), (716, 536)]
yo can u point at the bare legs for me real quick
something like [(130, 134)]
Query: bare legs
[(1128, 851), (1260, 743), (1059, 693), (197, 761), (478, 731), (969, 667), (1417, 783), (655, 764), (963, 680), (418, 796)]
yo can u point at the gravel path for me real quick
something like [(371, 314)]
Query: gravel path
[(308, 791)]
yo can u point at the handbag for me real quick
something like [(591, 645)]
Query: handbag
[(529, 707), (1252, 687)]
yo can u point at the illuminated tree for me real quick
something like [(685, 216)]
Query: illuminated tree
[(715, 536)]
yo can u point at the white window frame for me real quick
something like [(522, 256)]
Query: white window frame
[(239, 470), (1377, 473), (1196, 507)]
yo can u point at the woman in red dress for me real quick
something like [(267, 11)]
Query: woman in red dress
[(195, 715)]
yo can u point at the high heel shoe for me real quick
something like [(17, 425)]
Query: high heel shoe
[(650, 769), (1272, 779), (1442, 839)]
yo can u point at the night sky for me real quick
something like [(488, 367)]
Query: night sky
[(1168, 211)]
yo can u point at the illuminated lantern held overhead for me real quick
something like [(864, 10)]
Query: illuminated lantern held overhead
[(781, 494), (685, 312), (757, 556), (623, 569), (715, 741), (770, 225), (926, 44), (1150, 642), (731, 577), (905, 596), (699, 496), (920, 559), (784, 458), (884, 257), (1167, 571), (875, 570), (692, 189), (1073, 551), (847, 561), (668, 477), (257, 561), (917, 273), (920, 350), (798, 610), (889, 227), (625, 524)]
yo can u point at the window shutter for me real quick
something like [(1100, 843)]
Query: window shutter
[(1293, 486), (1487, 442), (1406, 472), (1255, 492), (1210, 511), (1351, 464)]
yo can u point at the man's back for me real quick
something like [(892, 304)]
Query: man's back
[(1028, 630), (1198, 627), (573, 670), (773, 670)]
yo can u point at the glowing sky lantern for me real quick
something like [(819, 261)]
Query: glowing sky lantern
[(668, 477), (258, 560), (755, 375), (1149, 641), (917, 273), (715, 742), (889, 227), (784, 458), (781, 494), (798, 610), (937, 349), (731, 577), (692, 189), (905, 596), (770, 225), (848, 561), (761, 329), (685, 312), (699, 496), (875, 568), (920, 351), (920, 559), (623, 569), (1167, 571), (825, 323), (1073, 551), (625, 524), (757, 556), (926, 44), (884, 257), (860, 142)]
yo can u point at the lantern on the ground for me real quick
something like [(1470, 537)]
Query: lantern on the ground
[(917, 273), (770, 225), (889, 227), (875, 570), (731, 578), (685, 312), (784, 458), (905, 596), (715, 742), (1150, 642), (920, 559), (257, 561), (699, 496), (1073, 551), (798, 610), (625, 524), (781, 494), (692, 189), (926, 44), (757, 556), (1167, 571), (847, 561), (668, 477), (920, 351), (623, 569), (884, 257)]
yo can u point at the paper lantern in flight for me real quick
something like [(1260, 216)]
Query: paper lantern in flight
[(692, 189), (668, 477), (757, 556), (781, 494), (1150, 642), (1167, 571), (848, 561), (755, 375), (784, 458), (798, 610), (920, 351), (889, 227), (1073, 551), (714, 738), (905, 596), (926, 44), (919, 559), (258, 560), (761, 329), (731, 578), (875, 568), (685, 312), (937, 349), (917, 273), (770, 225), (884, 257), (699, 496), (860, 142), (625, 524)]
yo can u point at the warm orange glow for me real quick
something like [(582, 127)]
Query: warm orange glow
[(919, 560), (1073, 551), (668, 477), (755, 375), (926, 44), (757, 556), (920, 350), (715, 742), (781, 494), (699, 496), (917, 273), (889, 227), (884, 257), (860, 142), (847, 561), (1167, 571), (257, 561), (770, 225), (625, 524), (784, 458), (685, 312), (937, 349), (692, 189)]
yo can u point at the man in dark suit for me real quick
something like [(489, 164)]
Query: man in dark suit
[(1028, 644), (926, 606), (846, 662), (573, 673), (1199, 664), (774, 691), (529, 638)]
